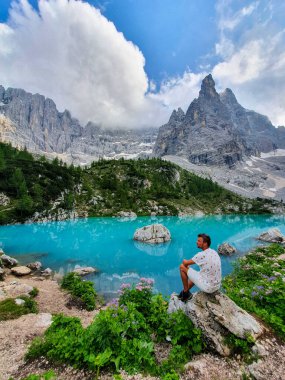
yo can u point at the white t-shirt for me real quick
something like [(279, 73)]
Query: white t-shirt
[(210, 267)]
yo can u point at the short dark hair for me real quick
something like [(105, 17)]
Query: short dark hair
[(206, 239)]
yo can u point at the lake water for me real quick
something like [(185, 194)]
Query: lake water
[(107, 244)]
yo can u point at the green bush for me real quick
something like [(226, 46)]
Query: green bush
[(10, 310), (122, 336), (84, 290)]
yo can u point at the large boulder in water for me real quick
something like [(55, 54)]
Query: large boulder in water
[(272, 236), (226, 249), (153, 234), (217, 315)]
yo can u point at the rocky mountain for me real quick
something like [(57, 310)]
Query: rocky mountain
[(217, 130), (33, 121)]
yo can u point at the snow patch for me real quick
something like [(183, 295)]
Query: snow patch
[(273, 153)]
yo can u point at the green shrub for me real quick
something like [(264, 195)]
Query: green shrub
[(10, 310), (122, 336), (84, 290)]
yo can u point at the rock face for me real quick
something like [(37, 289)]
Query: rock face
[(272, 236), (33, 121), (153, 234), (217, 315), (226, 249), (217, 130)]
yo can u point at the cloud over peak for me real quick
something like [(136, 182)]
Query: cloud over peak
[(70, 52)]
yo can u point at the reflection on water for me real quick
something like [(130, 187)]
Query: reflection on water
[(107, 244), (152, 249)]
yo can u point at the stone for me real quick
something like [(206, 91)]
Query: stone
[(217, 315), (19, 301), (21, 271), (127, 214), (152, 234), (46, 272), (35, 266), (272, 236), (281, 257), (226, 249), (83, 271), (8, 261), (259, 349)]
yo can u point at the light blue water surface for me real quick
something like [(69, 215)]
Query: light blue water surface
[(107, 244)]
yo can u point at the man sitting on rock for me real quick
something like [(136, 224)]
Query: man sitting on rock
[(208, 279)]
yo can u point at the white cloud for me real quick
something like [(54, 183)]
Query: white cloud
[(71, 53), (254, 69)]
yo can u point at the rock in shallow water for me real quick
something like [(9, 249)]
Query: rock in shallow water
[(83, 271), (272, 236), (153, 234), (226, 249)]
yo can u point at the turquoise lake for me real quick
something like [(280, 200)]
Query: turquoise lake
[(107, 244)]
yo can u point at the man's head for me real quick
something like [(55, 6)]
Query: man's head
[(203, 241)]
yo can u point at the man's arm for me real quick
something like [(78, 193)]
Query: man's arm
[(186, 263)]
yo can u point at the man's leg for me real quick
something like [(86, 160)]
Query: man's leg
[(187, 284)]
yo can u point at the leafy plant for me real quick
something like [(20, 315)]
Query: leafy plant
[(122, 336), (84, 290)]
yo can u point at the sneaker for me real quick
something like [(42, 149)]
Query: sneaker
[(186, 296), (180, 295)]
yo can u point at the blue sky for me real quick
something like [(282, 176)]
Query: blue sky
[(131, 62)]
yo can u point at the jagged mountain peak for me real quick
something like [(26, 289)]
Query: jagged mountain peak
[(177, 115), (208, 88), (228, 97)]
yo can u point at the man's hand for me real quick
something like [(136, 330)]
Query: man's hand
[(186, 263)]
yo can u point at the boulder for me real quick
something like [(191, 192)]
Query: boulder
[(153, 234), (21, 271), (272, 236), (83, 271), (9, 261), (217, 315), (47, 272), (35, 266), (226, 249)]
